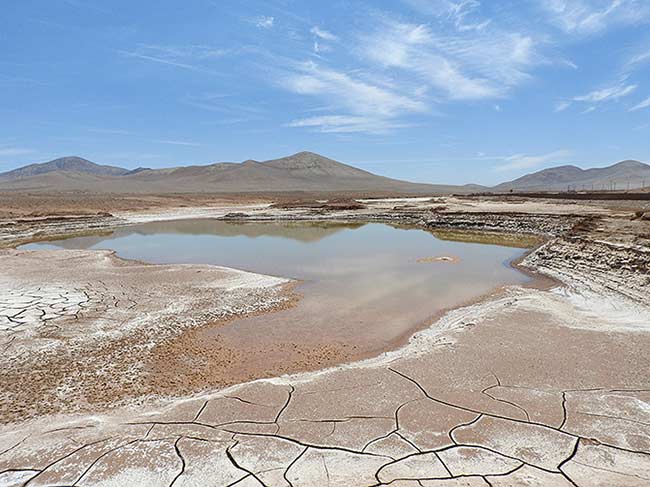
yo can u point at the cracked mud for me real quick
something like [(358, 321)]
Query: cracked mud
[(533, 387)]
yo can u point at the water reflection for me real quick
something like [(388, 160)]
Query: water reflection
[(363, 284)]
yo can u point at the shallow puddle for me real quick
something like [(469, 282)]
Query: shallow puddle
[(357, 277), (365, 287)]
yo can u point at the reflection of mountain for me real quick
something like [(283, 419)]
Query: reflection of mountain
[(473, 236), (300, 231), (490, 238)]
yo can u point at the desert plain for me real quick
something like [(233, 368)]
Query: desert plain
[(104, 381)]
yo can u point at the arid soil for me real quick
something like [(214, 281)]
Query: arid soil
[(81, 340), (531, 387)]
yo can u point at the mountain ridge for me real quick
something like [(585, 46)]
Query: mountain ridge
[(68, 163), (303, 171), (620, 175)]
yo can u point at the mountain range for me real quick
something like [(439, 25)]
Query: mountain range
[(304, 171), (622, 175)]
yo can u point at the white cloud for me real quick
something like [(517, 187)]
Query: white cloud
[(560, 106), (593, 16), (320, 47), (614, 92), (367, 105), (14, 151), (461, 13), (644, 104), (323, 34), (524, 161), (569, 64), (263, 22), (638, 59), (467, 66), (176, 142), (348, 124), (185, 57), (406, 68)]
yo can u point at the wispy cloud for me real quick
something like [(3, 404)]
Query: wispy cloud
[(323, 34), (405, 68), (7, 151), (223, 104), (187, 57), (592, 16), (640, 106), (525, 161), (128, 133), (263, 22), (368, 105), (614, 92), (177, 142), (473, 65), (462, 13), (348, 124), (639, 59), (560, 106)]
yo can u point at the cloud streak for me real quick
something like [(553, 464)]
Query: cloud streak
[(640, 106), (263, 22), (525, 161), (473, 66), (369, 106), (609, 93), (323, 34), (585, 17), (185, 57)]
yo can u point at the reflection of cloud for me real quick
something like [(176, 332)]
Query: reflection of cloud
[(300, 232)]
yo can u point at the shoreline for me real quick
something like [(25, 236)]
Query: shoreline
[(172, 349)]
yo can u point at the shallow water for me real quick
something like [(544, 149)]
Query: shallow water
[(363, 284)]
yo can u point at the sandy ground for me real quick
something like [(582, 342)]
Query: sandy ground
[(532, 387)]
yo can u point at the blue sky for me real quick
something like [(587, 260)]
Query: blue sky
[(452, 91)]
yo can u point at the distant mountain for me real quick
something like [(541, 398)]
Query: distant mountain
[(632, 174), (304, 171), (72, 164)]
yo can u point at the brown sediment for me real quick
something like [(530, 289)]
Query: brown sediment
[(199, 359)]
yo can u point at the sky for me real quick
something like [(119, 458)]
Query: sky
[(442, 91)]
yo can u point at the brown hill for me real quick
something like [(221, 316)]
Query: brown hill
[(304, 171), (622, 175)]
